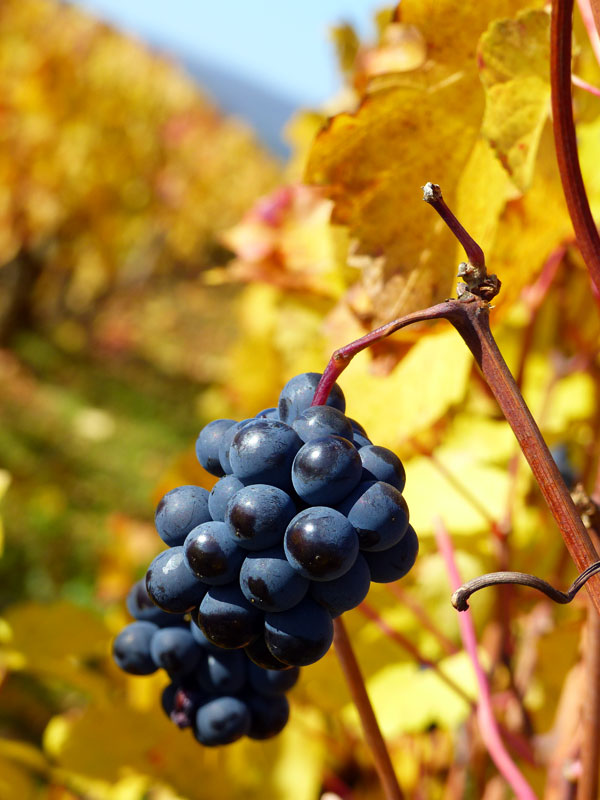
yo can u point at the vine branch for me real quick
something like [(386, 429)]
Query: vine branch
[(588, 240)]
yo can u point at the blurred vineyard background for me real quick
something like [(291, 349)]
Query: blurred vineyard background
[(159, 268)]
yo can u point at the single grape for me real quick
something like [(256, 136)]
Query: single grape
[(381, 464), (272, 682), (141, 607), (263, 452), (225, 445), (201, 639), (319, 421), (357, 427), (345, 593), (268, 715), (326, 470), (360, 440), (320, 543), (175, 650), (212, 555), (131, 648), (378, 513), (259, 654), (258, 515), (298, 393), (181, 701), (269, 582), (301, 635), (224, 672), (179, 511), (386, 566), (170, 583), (227, 618), (221, 721), (221, 494), (208, 443), (268, 413)]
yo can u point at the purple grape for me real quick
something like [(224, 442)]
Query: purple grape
[(171, 585), (263, 452), (221, 494), (175, 650), (381, 464), (326, 470), (272, 682), (227, 619), (319, 421), (345, 593), (221, 721), (386, 566), (140, 606), (225, 445), (259, 654), (131, 648), (258, 515), (208, 443), (378, 513), (269, 582), (212, 555), (320, 543), (298, 393), (179, 511), (301, 635), (224, 672), (268, 715)]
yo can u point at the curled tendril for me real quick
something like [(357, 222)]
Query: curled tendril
[(461, 595)]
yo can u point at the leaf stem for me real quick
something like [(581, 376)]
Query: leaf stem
[(485, 714), (565, 137), (374, 739)]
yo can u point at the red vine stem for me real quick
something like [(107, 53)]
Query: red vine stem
[(565, 136), (356, 684), (471, 320), (485, 714)]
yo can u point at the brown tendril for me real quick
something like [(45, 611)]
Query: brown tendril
[(461, 595)]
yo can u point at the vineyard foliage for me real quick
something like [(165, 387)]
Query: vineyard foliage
[(123, 191)]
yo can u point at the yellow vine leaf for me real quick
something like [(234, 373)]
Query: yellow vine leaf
[(515, 68), (422, 126)]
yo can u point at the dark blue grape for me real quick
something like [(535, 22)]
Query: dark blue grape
[(381, 464), (180, 702), (268, 413), (225, 445), (346, 592), (269, 582), (131, 648), (390, 565), (258, 515), (221, 721), (378, 513), (175, 650), (298, 393), (140, 606), (223, 673), (326, 470), (360, 440), (212, 555), (259, 654), (201, 639), (301, 635), (263, 452), (227, 619), (170, 583), (272, 682), (357, 427), (321, 544), (179, 511), (221, 494), (268, 715), (319, 421), (208, 443)]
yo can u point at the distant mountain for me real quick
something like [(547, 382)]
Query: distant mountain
[(266, 111)]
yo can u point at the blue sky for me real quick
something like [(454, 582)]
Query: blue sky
[(282, 44)]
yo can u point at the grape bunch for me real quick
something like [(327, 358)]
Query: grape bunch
[(221, 695), (305, 513)]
